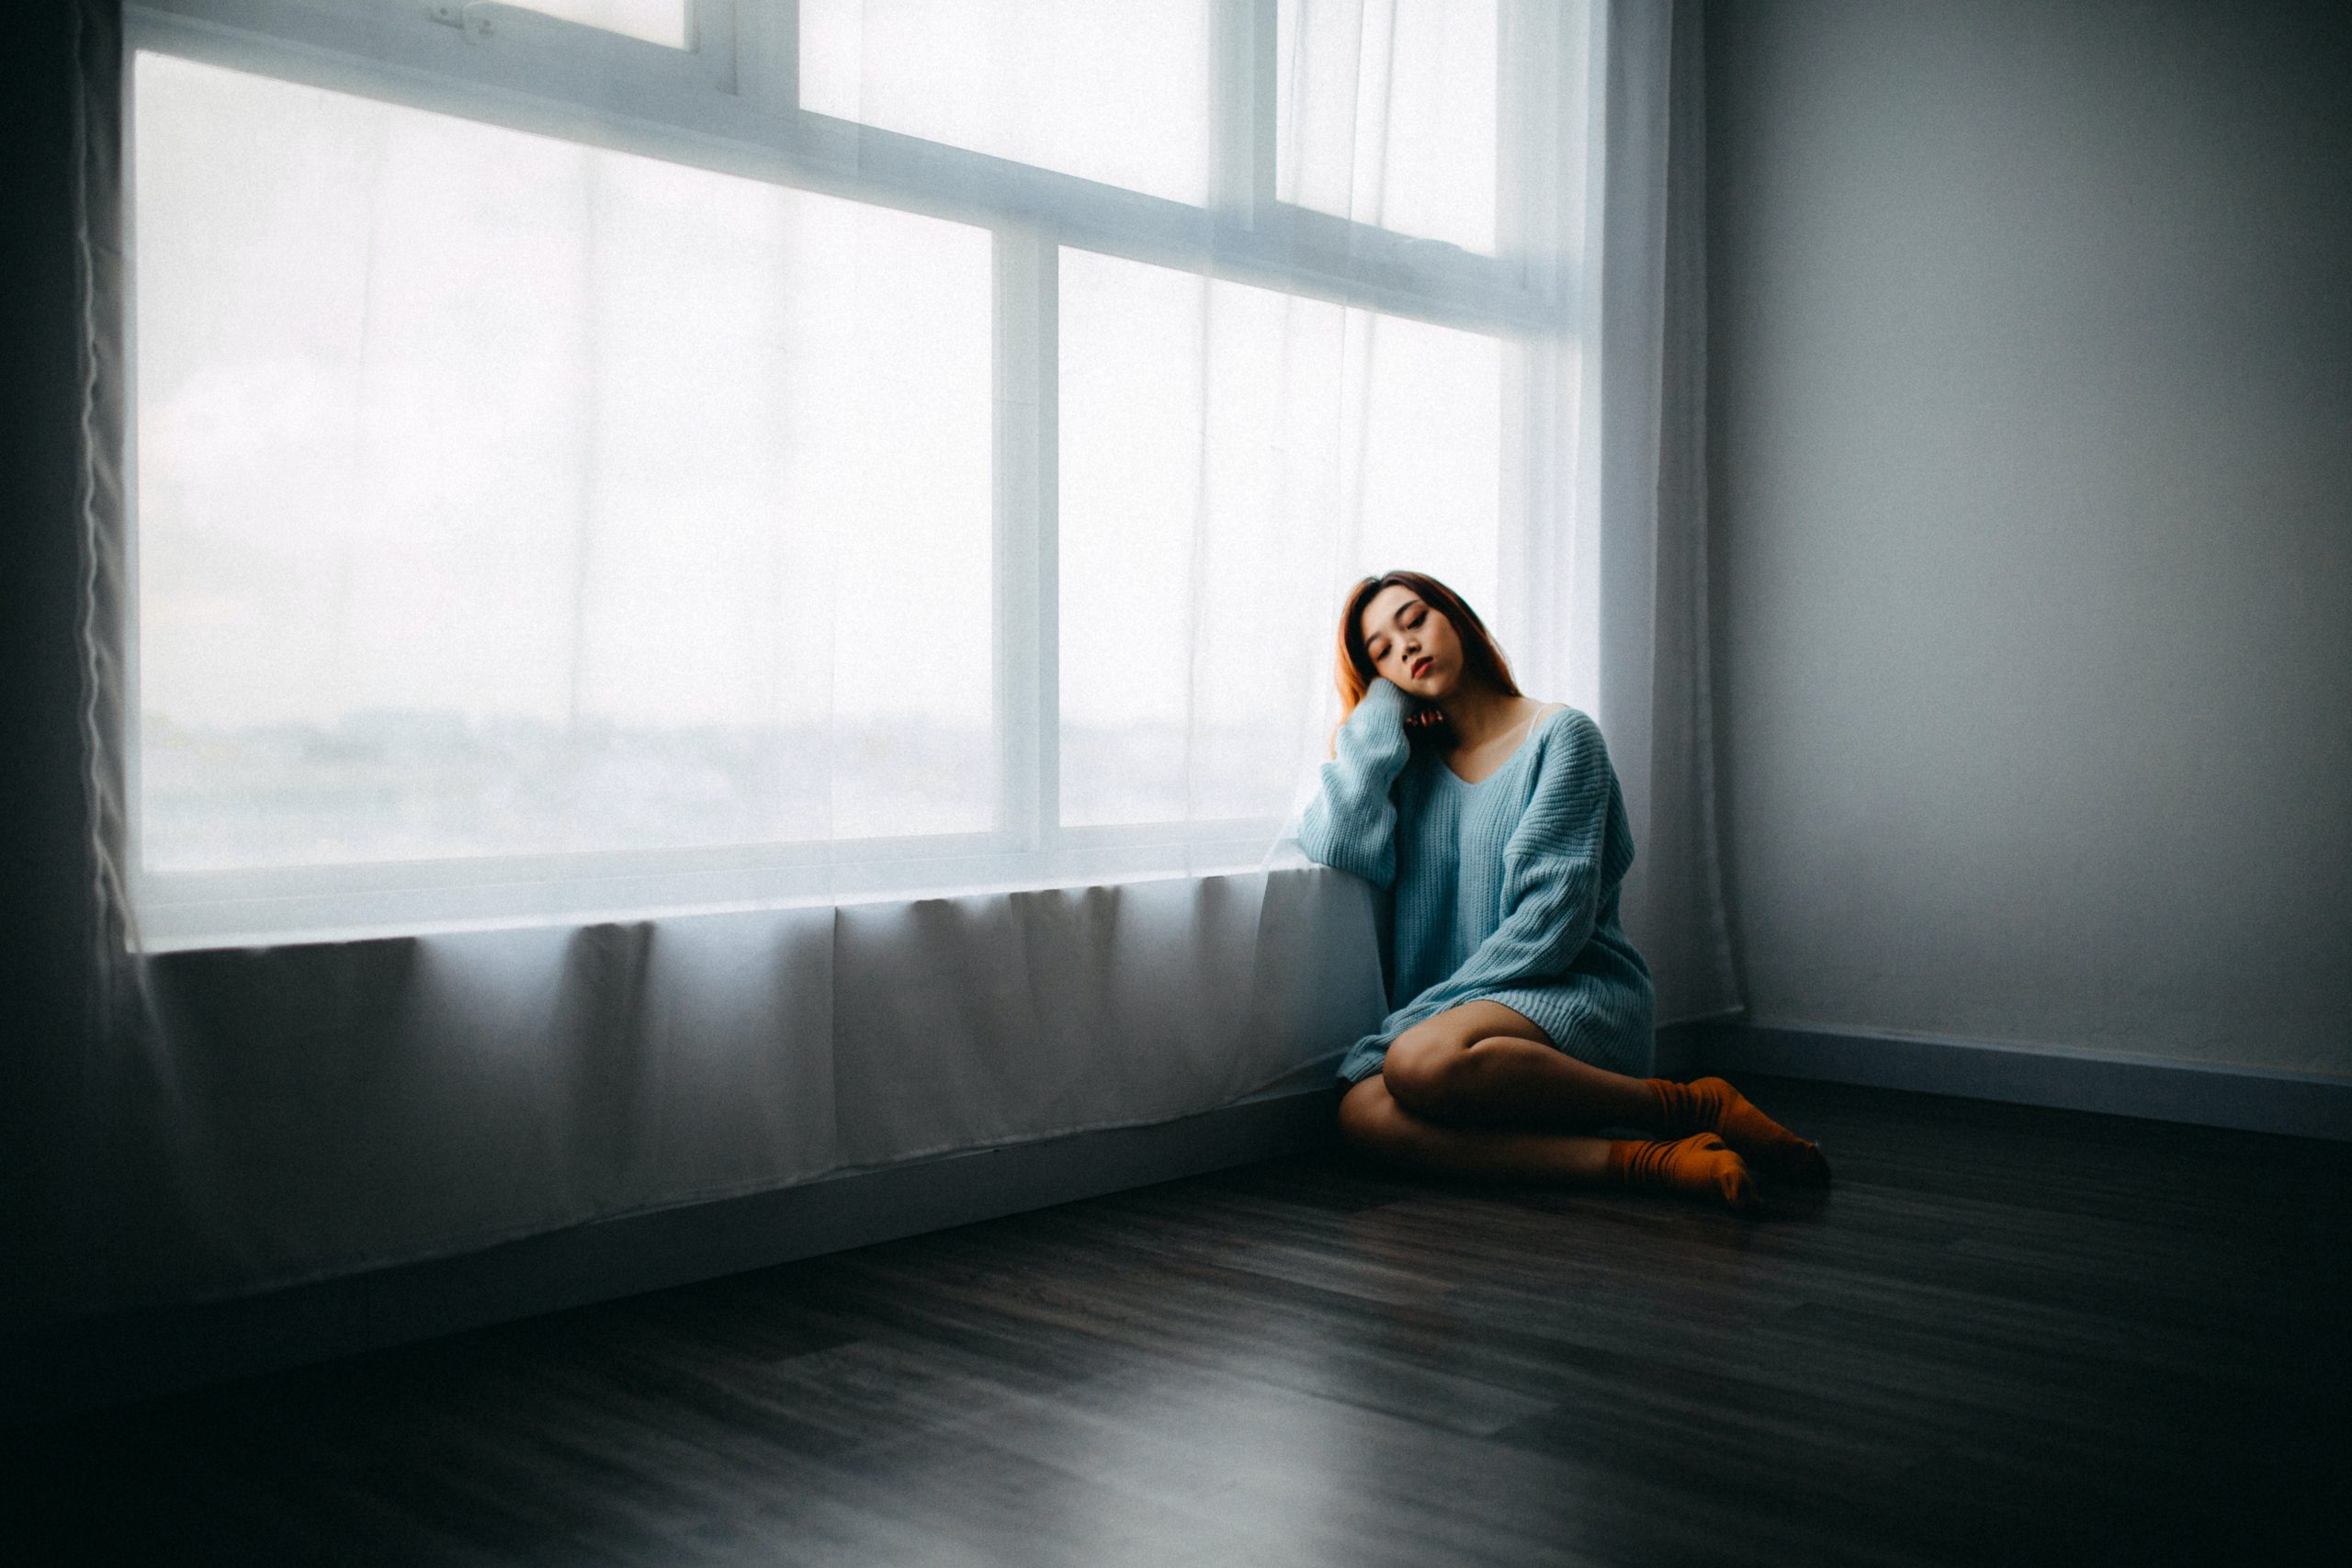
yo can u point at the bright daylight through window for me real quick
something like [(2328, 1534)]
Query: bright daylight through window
[(600, 455)]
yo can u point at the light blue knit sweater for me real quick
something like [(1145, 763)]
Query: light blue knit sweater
[(1504, 890)]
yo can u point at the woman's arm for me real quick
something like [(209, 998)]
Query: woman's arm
[(1352, 823), (1573, 834)]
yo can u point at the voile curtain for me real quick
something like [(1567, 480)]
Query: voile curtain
[(825, 539), (627, 667)]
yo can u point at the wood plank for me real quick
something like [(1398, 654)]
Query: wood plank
[(2006, 1334)]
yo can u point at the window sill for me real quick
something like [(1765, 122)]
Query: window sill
[(307, 905)]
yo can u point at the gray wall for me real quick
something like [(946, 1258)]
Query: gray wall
[(2031, 337)]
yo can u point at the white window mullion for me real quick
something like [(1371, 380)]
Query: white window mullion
[(1028, 667), (712, 35), (767, 52), (1242, 180)]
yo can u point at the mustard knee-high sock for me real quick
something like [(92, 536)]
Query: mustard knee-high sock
[(1711, 1105), (1699, 1166)]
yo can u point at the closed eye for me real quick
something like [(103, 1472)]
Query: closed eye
[(1382, 650)]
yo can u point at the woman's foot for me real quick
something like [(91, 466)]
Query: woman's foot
[(1711, 1105), (1700, 1166)]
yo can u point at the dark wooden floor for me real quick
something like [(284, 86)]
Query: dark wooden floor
[(2006, 1335)]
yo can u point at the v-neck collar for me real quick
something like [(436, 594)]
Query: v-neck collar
[(1516, 753)]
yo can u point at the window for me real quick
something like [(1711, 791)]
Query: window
[(1407, 412), (1000, 79), (595, 456), (1387, 114)]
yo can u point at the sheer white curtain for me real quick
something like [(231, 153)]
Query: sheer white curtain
[(691, 593), (553, 508), (533, 526)]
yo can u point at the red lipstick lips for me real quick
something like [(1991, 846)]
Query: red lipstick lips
[(1422, 667)]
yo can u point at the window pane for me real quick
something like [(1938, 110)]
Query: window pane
[(501, 495), (1116, 93), (1232, 459), (655, 21), (1384, 113)]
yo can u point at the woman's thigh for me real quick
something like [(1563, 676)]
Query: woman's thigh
[(1421, 1063), (1456, 1028)]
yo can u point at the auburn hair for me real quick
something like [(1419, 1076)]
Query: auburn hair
[(1480, 656)]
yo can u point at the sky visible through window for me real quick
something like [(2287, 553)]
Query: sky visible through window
[(500, 494), (453, 437), (1060, 83)]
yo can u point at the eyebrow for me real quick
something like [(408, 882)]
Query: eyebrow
[(1398, 615)]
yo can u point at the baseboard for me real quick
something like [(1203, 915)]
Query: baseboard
[(98, 1362), (2308, 1105)]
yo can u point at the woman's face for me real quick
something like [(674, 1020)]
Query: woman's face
[(1411, 643)]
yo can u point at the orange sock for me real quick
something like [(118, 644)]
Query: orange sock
[(1697, 1166), (1711, 1105)]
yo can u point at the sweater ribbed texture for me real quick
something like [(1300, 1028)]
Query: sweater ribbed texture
[(1504, 890)]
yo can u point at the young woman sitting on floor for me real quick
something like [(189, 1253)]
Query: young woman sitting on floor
[(1523, 1017)]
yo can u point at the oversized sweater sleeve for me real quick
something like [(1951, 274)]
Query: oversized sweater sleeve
[(1554, 865), (1352, 822)]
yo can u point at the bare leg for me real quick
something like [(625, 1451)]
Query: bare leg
[(1698, 1166), (1483, 1064), (1371, 1119)]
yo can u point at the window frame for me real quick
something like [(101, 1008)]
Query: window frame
[(728, 103)]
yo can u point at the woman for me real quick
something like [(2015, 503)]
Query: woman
[(1522, 1015)]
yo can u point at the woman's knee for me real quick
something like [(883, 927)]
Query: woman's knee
[(1422, 1066), (1435, 1063), (1368, 1116)]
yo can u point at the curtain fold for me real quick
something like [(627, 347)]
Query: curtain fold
[(1603, 590), (878, 637), (351, 1105), (1655, 705)]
